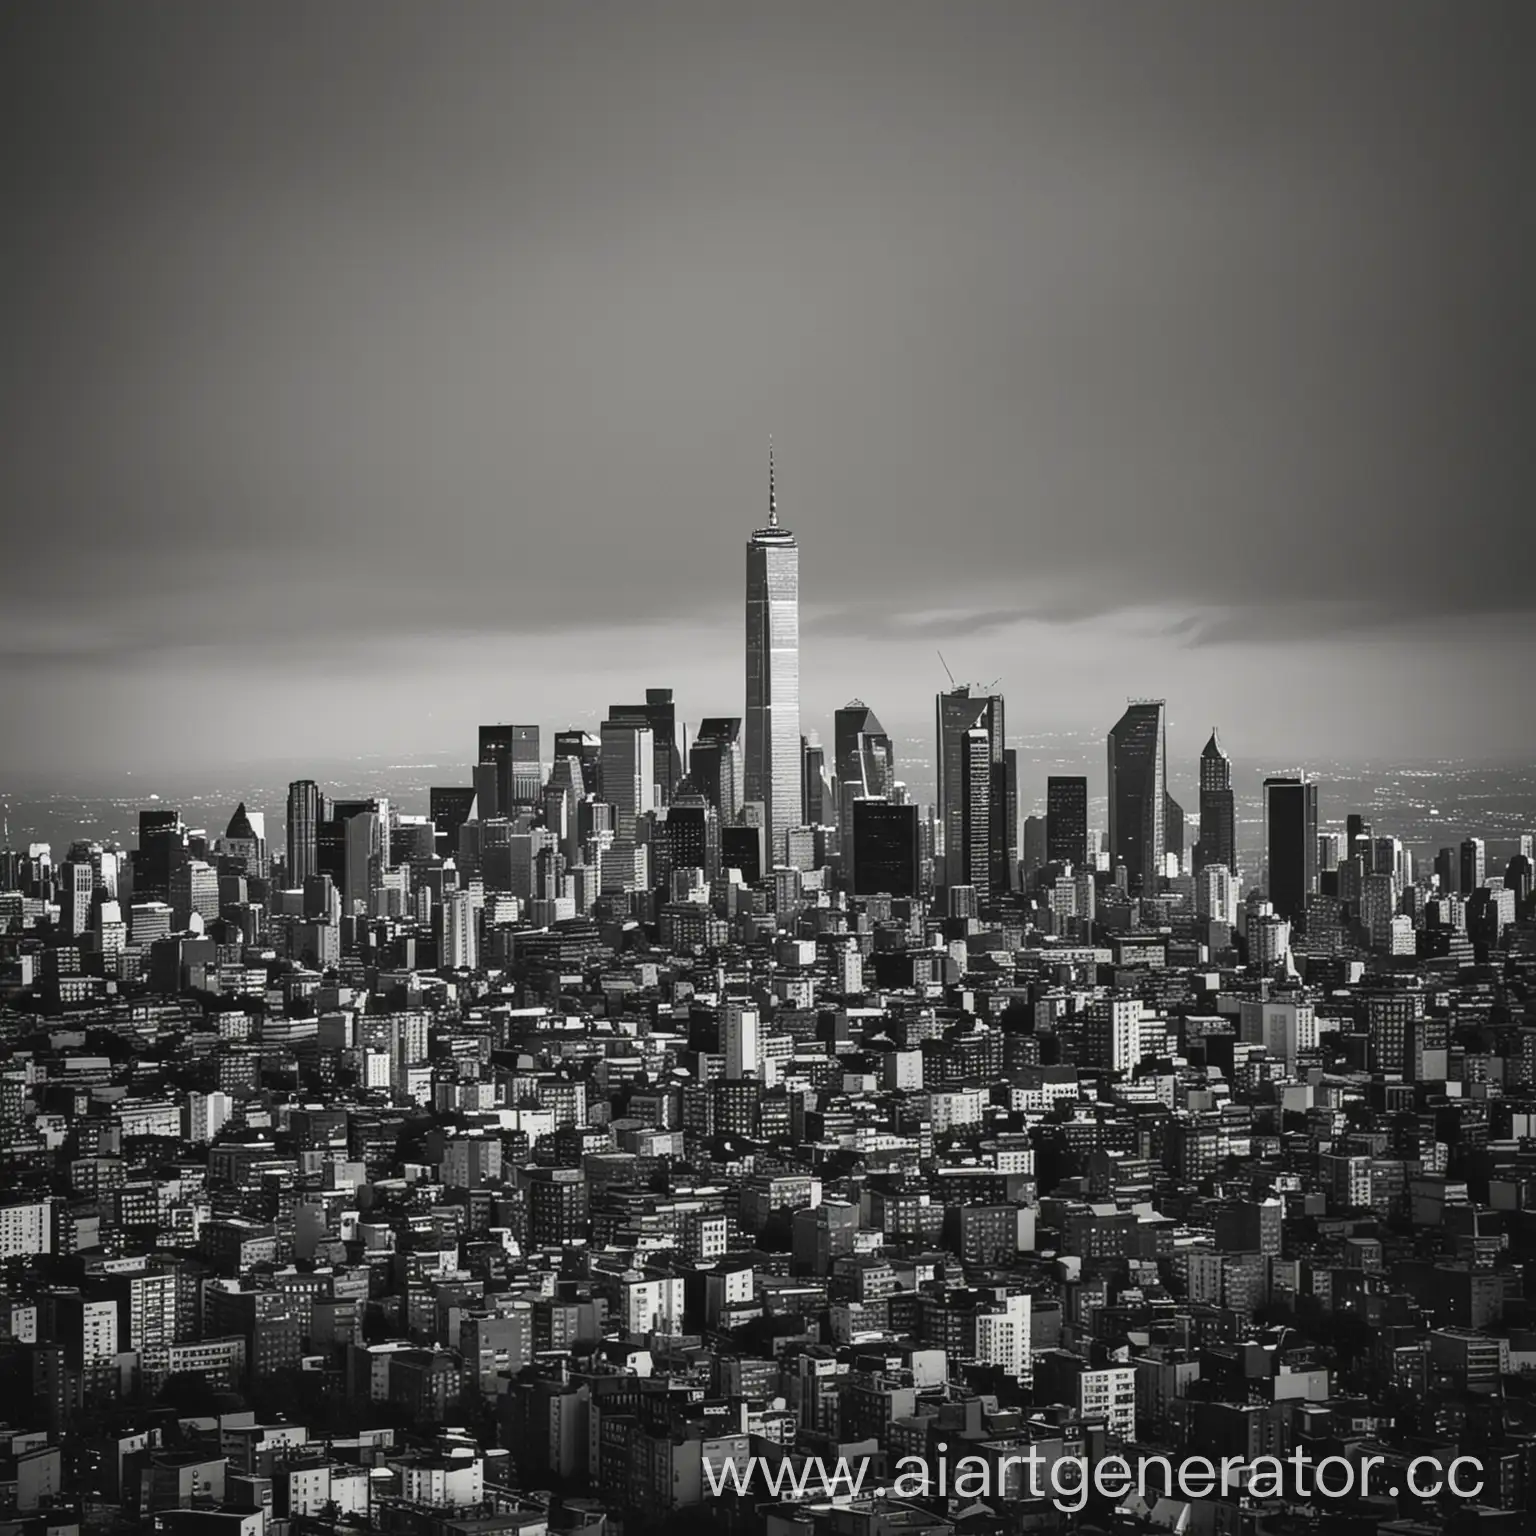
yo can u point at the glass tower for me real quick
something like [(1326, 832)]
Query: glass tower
[(772, 767), (1138, 793)]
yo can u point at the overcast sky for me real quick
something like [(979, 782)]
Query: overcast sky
[(370, 369)]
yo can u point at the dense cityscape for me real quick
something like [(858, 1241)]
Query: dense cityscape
[(665, 1119)]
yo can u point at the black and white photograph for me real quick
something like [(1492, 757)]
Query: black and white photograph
[(767, 767)]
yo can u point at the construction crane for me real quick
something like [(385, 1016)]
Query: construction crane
[(981, 688)]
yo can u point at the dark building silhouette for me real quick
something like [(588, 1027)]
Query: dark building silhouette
[(959, 712), (1066, 820), (1138, 786), (1173, 820), (1290, 844), (1011, 813), (861, 758), (887, 849), (714, 764), (813, 784), (449, 807), (160, 839), (1218, 809)]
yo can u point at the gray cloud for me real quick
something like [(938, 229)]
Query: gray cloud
[(424, 321)]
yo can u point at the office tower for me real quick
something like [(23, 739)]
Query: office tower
[(1290, 844), (686, 836), (1360, 841), (243, 848), (513, 750), (659, 716), (773, 675), (1138, 784), (886, 849), (1330, 852), (1066, 820), (1111, 1034), (862, 758), (194, 888), (160, 842), (1173, 821), (1011, 815), (77, 884), (486, 781), (629, 776), (741, 848), (305, 809), (1218, 809), (366, 856), (740, 1040), (976, 841), (458, 949), (814, 809), (1474, 865), (1216, 894), (959, 712), (448, 808), (587, 750), (714, 765), (1035, 855)]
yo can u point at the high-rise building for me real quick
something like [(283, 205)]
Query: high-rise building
[(458, 947), (1474, 865), (659, 715), (448, 808), (1290, 845), (773, 675), (976, 840), (886, 849), (1218, 809), (815, 811), (305, 809), (1011, 815), (714, 765), (587, 750), (862, 759), (514, 752), (629, 776), (160, 846), (1034, 855), (1066, 820), (959, 712), (740, 1040), (1138, 793)]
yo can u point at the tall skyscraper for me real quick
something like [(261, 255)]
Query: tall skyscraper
[(1218, 809), (304, 814), (862, 759), (160, 844), (1138, 793), (1066, 820), (629, 776), (586, 749), (976, 840), (1474, 865), (773, 675), (1290, 844), (959, 712), (514, 750), (659, 715), (1011, 815), (814, 809), (1173, 824), (714, 765)]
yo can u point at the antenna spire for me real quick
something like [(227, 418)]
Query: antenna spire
[(773, 502)]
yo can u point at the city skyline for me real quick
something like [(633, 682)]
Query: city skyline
[(1167, 359)]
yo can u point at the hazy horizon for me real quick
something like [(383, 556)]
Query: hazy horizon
[(376, 370)]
